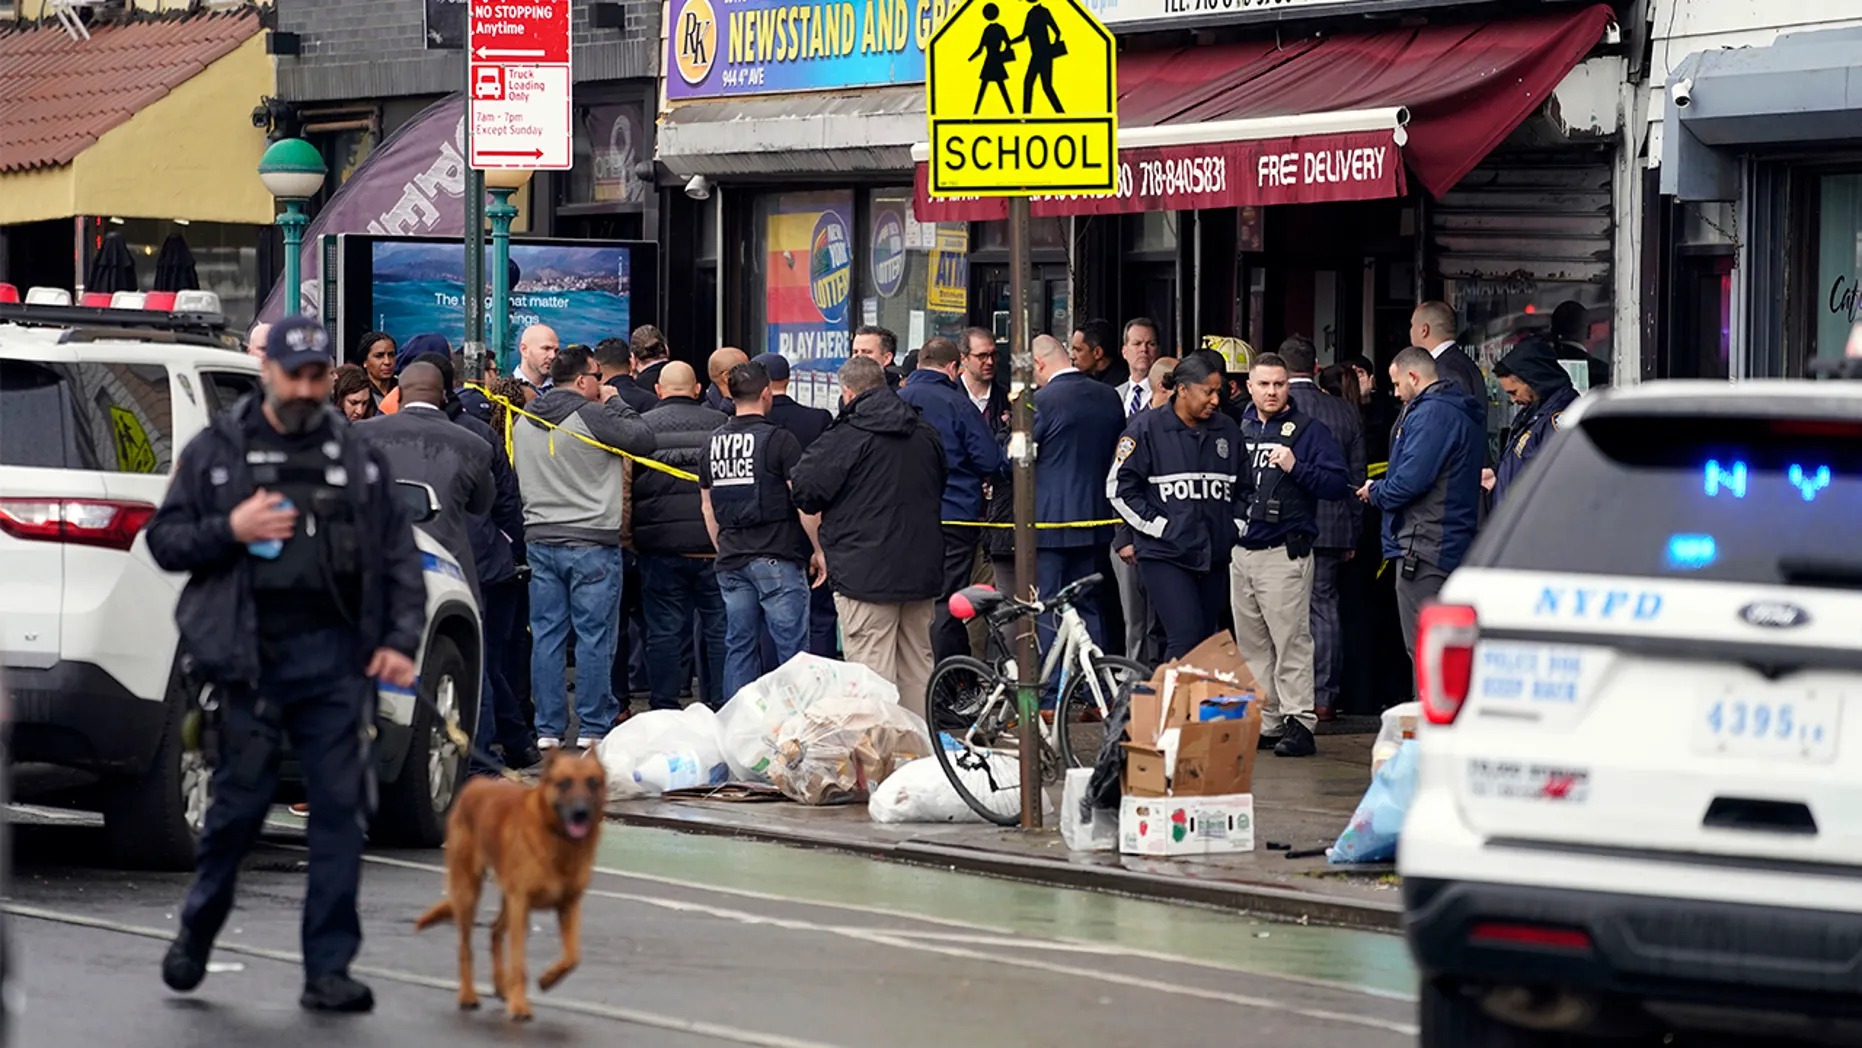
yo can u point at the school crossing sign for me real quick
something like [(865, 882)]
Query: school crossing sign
[(1023, 101)]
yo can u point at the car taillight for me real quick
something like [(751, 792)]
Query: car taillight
[(82, 522), (1445, 636)]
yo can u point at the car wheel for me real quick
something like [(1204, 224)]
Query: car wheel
[(1451, 1019), (414, 806), (153, 821)]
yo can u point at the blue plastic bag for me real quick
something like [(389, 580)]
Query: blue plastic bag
[(1371, 836)]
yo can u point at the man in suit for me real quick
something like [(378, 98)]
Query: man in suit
[(1140, 353), (978, 378), (718, 397), (1432, 327), (1339, 519), (616, 359), (1077, 423), (1093, 355), (650, 355)]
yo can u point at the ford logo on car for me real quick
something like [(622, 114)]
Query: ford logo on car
[(1774, 614)]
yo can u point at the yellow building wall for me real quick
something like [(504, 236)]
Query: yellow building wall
[(193, 154)]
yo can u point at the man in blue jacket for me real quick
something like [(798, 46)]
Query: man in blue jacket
[(1077, 423), (1539, 385), (1294, 463), (972, 457), (1430, 495)]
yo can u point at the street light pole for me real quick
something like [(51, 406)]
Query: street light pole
[(292, 171), (502, 183)]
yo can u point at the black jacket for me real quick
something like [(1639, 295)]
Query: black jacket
[(1183, 491), (422, 444), (1318, 473), (877, 477), (498, 536), (668, 517), (632, 394), (1456, 366), (805, 422), (218, 614), (1339, 519)]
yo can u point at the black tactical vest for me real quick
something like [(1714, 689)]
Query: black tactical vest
[(746, 490)]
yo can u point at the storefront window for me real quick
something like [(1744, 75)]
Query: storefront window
[(1839, 262), (226, 258), (1048, 233), (609, 141), (916, 282), (1496, 315)]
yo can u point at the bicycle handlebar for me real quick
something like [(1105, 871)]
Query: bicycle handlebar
[(1069, 594)]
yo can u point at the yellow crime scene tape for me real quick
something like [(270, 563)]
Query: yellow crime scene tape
[(511, 411)]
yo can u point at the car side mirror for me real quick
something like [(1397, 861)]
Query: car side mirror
[(420, 500)]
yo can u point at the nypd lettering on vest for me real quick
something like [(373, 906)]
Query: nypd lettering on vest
[(746, 490), (733, 458)]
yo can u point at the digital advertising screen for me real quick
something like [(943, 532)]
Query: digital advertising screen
[(586, 290)]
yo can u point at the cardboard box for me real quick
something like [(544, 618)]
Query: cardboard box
[(1178, 826), (1212, 757)]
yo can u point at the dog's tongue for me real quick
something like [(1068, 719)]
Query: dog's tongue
[(578, 830)]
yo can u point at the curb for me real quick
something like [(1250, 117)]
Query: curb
[(1264, 900)]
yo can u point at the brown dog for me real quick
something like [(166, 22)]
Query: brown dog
[(540, 842)]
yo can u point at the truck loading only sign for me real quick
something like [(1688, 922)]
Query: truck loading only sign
[(1022, 96), (520, 86)]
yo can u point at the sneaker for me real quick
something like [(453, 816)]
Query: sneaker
[(336, 992), (547, 743), (1296, 741), (588, 742), (185, 964), (1268, 742)]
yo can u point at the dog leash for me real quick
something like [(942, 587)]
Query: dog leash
[(460, 739)]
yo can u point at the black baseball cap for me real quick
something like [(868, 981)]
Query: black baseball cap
[(773, 363), (298, 342)]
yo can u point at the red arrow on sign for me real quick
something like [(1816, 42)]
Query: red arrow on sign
[(534, 154)]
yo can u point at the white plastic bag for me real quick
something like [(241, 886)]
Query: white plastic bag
[(839, 747), (920, 792), (1082, 826), (691, 734), (1395, 720), (748, 723)]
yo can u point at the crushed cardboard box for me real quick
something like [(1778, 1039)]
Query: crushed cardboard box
[(1210, 758)]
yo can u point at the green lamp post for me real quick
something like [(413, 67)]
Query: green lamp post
[(502, 182), (292, 171)]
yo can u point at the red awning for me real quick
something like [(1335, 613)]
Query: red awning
[(1466, 87)]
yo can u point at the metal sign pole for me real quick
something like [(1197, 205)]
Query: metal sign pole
[(474, 349), (1021, 454)]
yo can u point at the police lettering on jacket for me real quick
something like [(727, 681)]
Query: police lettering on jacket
[(746, 488), (1195, 487), (1181, 488)]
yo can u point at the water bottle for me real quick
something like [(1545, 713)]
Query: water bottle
[(670, 771), (269, 548)]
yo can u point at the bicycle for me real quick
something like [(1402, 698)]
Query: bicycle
[(972, 705)]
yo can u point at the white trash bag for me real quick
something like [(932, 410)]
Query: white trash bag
[(663, 750), (920, 792), (748, 723), (839, 747)]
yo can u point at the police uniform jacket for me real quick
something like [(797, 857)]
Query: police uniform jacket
[(1318, 473), (218, 611), (1340, 520), (1535, 365), (1183, 490)]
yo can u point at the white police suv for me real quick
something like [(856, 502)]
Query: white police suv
[(1639, 804), (94, 406)]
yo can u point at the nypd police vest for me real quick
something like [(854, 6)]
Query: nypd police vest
[(746, 490)]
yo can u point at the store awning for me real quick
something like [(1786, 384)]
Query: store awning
[(1803, 88), (1242, 112), (148, 118), (797, 134)]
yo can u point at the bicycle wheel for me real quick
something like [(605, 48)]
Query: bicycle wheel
[(1082, 728), (969, 714)]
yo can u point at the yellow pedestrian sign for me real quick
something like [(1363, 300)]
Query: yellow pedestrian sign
[(1023, 100)]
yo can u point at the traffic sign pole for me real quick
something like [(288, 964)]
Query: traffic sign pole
[(1021, 452)]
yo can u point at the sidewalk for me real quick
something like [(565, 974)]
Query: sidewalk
[(1301, 803)]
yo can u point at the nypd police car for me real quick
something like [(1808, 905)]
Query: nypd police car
[(1639, 799), (97, 403)]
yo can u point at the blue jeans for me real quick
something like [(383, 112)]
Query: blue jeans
[(1056, 569), (579, 587), (769, 592), (674, 588)]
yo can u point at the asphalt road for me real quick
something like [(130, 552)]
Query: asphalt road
[(691, 943)]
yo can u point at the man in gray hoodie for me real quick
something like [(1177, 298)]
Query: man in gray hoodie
[(572, 528)]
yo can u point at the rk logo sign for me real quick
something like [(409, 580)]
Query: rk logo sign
[(1022, 99)]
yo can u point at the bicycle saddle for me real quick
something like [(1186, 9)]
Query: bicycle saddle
[(972, 601)]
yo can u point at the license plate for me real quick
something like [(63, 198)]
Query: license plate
[(1769, 725)]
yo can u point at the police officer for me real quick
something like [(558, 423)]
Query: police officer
[(1294, 462), (305, 588), (1179, 479), (767, 551), (1539, 385)]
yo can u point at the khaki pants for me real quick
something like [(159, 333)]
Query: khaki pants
[(1271, 597), (894, 641)]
